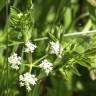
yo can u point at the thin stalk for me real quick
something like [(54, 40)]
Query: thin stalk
[(39, 39), (80, 33), (30, 64)]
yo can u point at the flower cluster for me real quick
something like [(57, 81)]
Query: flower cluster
[(27, 80), (30, 47), (56, 48), (46, 66), (15, 61)]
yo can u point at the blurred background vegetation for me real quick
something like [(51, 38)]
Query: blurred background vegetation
[(49, 19)]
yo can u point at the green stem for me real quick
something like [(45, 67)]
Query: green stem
[(30, 61), (15, 43), (79, 33), (37, 61), (39, 39), (30, 64)]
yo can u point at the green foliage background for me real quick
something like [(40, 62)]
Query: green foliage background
[(47, 21)]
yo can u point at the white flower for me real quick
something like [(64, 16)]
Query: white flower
[(27, 80), (93, 74), (15, 61), (56, 48), (30, 47), (46, 66), (20, 15)]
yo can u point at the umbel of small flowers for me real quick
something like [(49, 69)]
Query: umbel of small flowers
[(30, 47), (14, 61), (55, 48), (27, 80), (46, 66)]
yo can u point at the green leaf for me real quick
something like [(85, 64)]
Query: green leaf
[(90, 51), (75, 71), (52, 37), (83, 63), (36, 91), (92, 11)]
